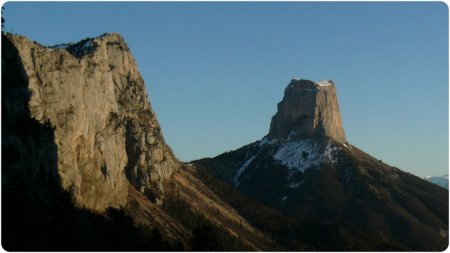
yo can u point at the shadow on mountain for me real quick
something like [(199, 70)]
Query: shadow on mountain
[(359, 203), (36, 213)]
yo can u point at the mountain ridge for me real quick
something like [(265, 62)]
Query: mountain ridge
[(85, 163), (80, 119), (310, 176)]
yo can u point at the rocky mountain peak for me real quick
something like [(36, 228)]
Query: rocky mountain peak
[(106, 133), (308, 109)]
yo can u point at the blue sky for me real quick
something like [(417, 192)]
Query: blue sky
[(215, 71)]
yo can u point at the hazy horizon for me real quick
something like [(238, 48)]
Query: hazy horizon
[(215, 71)]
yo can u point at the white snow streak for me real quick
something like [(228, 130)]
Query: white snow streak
[(324, 83), (87, 44), (266, 140), (242, 168)]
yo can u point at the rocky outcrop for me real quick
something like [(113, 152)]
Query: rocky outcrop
[(106, 133), (337, 196), (78, 116), (308, 109), (78, 128)]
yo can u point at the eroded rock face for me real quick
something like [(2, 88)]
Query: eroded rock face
[(106, 133), (308, 109)]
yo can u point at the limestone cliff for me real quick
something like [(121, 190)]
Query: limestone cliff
[(78, 116), (308, 109), (342, 198), (106, 133)]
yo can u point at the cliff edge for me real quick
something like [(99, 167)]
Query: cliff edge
[(308, 109), (106, 133)]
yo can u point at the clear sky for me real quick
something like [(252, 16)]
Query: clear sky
[(216, 71)]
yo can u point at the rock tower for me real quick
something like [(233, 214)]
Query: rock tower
[(308, 109)]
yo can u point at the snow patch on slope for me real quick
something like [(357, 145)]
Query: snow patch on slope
[(304, 154), (324, 83), (242, 168), (61, 46), (87, 44), (329, 152), (266, 141)]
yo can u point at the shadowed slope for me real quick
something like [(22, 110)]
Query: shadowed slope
[(314, 176)]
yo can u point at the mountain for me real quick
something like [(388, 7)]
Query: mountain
[(309, 109), (85, 165), (93, 97), (441, 181), (331, 195)]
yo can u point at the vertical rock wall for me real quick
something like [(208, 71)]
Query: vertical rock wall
[(308, 109), (107, 135)]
